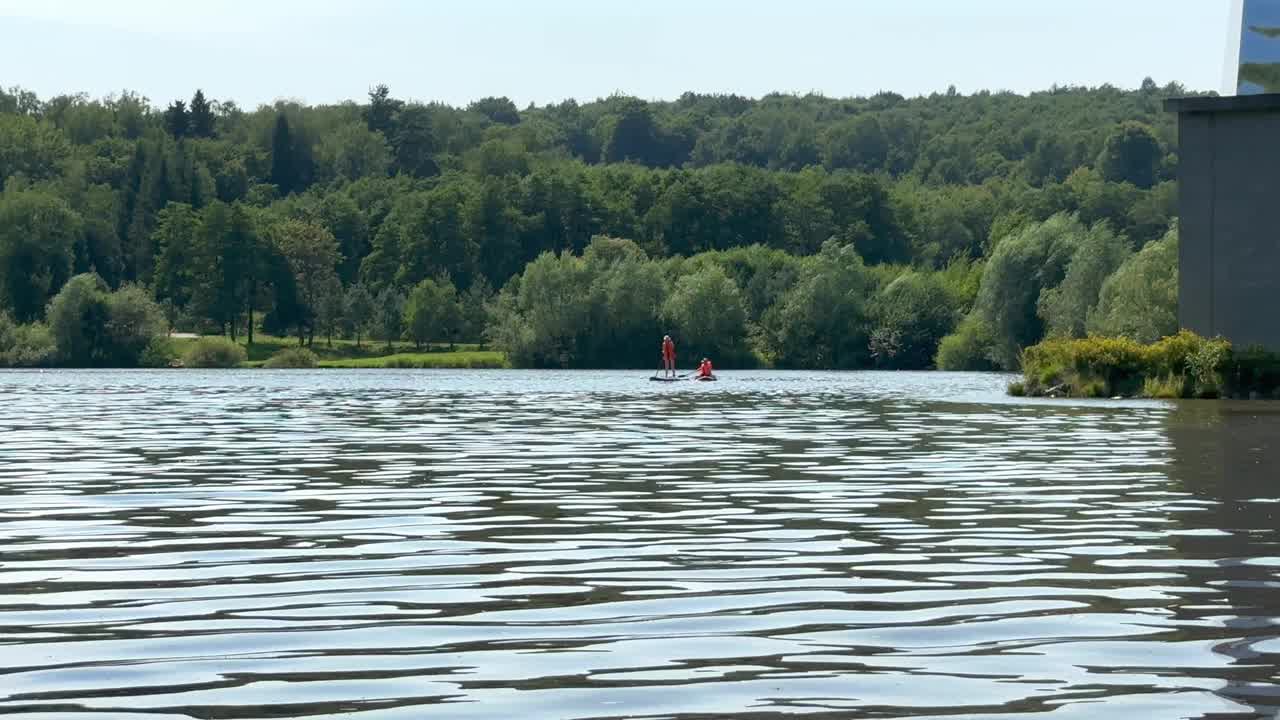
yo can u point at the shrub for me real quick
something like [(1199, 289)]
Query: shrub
[(1092, 367), (134, 321), (25, 345), (1206, 366), (1168, 387), (1169, 355), (159, 353), (971, 347), (1184, 365), (294, 358), (214, 352)]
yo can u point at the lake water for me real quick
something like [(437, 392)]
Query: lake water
[(419, 544)]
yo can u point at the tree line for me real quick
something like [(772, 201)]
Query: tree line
[(311, 220)]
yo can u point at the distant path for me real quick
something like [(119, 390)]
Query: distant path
[(191, 336)]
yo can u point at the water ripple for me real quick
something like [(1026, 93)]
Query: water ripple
[(553, 545)]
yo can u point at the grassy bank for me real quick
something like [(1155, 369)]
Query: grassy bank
[(1181, 366), (456, 359), (346, 354)]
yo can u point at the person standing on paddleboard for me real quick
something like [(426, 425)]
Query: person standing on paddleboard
[(668, 356)]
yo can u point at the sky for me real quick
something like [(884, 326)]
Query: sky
[(541, 51)]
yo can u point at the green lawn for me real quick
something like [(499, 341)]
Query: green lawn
[(456, 359), (345, 353)]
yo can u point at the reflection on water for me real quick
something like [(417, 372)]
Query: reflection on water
[(556, 545)]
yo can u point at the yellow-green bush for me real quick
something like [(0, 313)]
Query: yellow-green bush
[(293, 358), (213, 352), (1182, 365)]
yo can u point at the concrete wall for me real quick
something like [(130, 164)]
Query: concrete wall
[(1229, 187)]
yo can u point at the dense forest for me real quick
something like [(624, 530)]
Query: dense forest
[(796, 231)]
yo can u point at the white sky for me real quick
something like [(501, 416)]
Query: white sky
[(255, 51)]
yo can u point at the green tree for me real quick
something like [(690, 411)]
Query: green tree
[(473, 306), (352, 152), (38, 236), (414, 142), (284, 170), (1140, 300), (911, 316), (541, 317), (856, 144), (497, 109), (78, 317), (312, 254), (93, 327), (202, 118), (630, 133), (1132, 154), (380, 113), (360, 310), (1022, 267), (627, 294), (822, 321), (390, 304), (340, 215), (709, 317), (331, 308), (431, 312), (177, 227), (134, 321), (972, 347), (177, 121), (31, 149), (1066, 308), (227, 246)]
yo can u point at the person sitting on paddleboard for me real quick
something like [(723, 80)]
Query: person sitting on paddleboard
[(668, 356), (705, 370)]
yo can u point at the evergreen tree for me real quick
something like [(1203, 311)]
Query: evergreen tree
[(415, 142), (177, 121), (202, 119), (380, 115), (284, 170)]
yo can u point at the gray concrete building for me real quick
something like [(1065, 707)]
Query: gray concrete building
[(1229, 190), (1229, 215)]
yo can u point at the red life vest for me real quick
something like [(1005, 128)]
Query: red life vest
[(668, 349)]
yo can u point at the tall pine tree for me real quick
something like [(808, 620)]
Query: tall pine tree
[(177, 120), (380, 116), (201, 116), (284, 171), (415, 142)]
